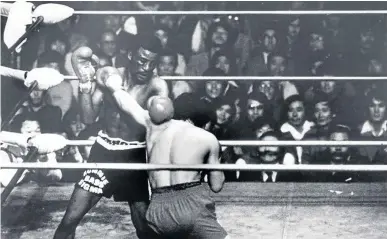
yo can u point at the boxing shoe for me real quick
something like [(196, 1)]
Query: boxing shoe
[(45, 77), (110, 78), (83, 61)]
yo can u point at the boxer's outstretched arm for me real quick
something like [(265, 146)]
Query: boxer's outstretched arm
[(216, 178), (130, 106)]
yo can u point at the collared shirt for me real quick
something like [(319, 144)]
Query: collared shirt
[(369, 128), (287, 128)]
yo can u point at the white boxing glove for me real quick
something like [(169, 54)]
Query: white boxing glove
[(45, 77), (53, 13), (19, 16), (47, 143)]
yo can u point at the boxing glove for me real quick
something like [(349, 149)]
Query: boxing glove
[(53, 13), (45, 77), (84, 61), (47, 143), (110, 78)]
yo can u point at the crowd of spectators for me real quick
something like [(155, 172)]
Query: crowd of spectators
[(231, 45)]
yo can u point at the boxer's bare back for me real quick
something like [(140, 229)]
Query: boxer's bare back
[(178, 142)]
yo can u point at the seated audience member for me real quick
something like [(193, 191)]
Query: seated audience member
[(341, 94), (254, 110), (338, 155), (62, 94), (223, 116), (258, 64), (212, 89), (224, 59), (29, 125), (272, 91), (296, 125), (267, 155), (217, 38), (108, 45), (375, 127), (164, 34), (167, 67), (48, 116), (324, 113)]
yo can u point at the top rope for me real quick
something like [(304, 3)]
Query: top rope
[(288, 12)]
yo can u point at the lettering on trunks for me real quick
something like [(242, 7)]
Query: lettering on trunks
[(86, 186)]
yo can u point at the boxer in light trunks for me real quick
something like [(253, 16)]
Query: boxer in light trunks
[(113, 144), (181, 207)]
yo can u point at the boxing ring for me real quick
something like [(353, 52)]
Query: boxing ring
[(245, 210)]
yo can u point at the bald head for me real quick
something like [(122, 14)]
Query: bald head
[(160, 109)]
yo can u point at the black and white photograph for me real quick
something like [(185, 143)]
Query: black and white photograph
[(193, 119)]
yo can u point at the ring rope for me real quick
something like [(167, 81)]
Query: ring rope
[(259, 78), (222, 167), (287, 12), (260, 143)]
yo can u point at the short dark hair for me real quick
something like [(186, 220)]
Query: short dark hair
[(189, 107), (153, 44), (50, 56), (340, 128), (376, 93), (169, 52), (20, 119)]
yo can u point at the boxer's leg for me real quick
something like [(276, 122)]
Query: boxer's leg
[(80, 203)]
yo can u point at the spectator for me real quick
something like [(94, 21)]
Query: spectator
[(108, 45), (254, 110), (29, 124), (223, 114), (296, 125), (224, 59), (375, 127), (167, 41), (265, 155), (166, 66), (218, 38), (293, 43), (62, 94), (48, 116), (338, 156), (242, 41), (258, 64)]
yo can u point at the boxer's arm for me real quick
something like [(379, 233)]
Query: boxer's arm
[(216, 178), (130, 106), (90, 105), (13, 73), (160, 87)]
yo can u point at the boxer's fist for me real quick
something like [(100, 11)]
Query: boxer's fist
[(45, 77), (110, 78), (47, 143), (83, 61)]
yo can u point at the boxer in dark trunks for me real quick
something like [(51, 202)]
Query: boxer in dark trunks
[(114, 141), (181, 207)]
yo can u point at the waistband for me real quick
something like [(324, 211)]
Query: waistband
[(164, 194), (116, 143), (176, 187)]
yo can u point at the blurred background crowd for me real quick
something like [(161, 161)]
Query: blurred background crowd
[(226, 45)]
